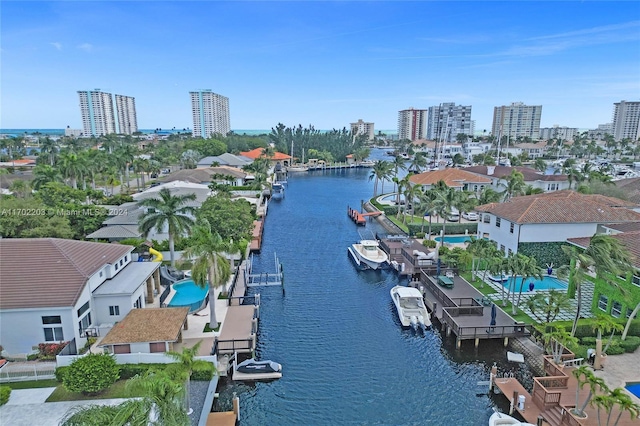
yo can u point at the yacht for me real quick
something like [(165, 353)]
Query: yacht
[(298, 168), (367, 163), (368, 255), (251, 369), (410, 306)]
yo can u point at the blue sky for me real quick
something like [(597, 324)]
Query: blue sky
[(321, 63)]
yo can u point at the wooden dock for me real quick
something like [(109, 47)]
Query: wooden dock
[(223, 418), (465, 312)]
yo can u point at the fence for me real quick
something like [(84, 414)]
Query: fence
[(23, 371)]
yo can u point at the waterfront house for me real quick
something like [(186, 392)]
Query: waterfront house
[(550, 218), (498, 174), (207, 175), (618, 301), (277, 157), (57, 290), (454, 178), (226, 159), (631, 189), (153, 330)]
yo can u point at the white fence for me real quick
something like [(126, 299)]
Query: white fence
[(137, 358), (22, 371)]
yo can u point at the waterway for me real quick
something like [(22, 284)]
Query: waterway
[(346, 360)]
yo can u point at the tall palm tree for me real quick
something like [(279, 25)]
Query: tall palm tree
[(585, 376), (418, 162), (540, 165), (167, 210), (72, 167), (514, 185), (479, 249), (210, 265), (446, 199), (49, 147), (379, 172), (187, 359), (528, 269), (603, 324), (606, 255), (20, 188)]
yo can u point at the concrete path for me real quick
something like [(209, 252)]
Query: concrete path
[(620, 369), (27, 407)]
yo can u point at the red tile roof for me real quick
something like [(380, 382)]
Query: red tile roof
[(259, 152), (631, 188), (631, 240), (504, 171), (563, 207), (452, 177), (47, 272)]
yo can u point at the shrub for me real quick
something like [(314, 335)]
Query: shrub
[(60, 373), (127, 371), (176, 372), (5, 393), (588, 341), (419, 234), (615, 349), (202, 370), (429, 243), (91, 374), (33, 357), (630, 344), (50, 350)]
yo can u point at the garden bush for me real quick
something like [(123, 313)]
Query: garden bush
[(429, 243), (91, 374), (50, 350), (630, 344), (202, 370), (60, 372), (176, 372), (5, 393), (127, 371)]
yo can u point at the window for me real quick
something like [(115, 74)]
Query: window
[(486, 218), (511, 228), (52, 334), (498, 222), (616, 309), (85, 322), (138, 303), (125, 258), (52, 320), (510, 251), (635, 280), (100, 274), (116, 266), (603, 302), (629, 312), (157, 347), (502, 248), (114, 310), (121, 261), (121, 349), (84, 308)]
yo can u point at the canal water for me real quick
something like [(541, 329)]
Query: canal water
[(346, 360)]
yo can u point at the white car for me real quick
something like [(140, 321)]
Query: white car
[(470, 215)]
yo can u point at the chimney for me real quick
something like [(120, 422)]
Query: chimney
[(491, 170)]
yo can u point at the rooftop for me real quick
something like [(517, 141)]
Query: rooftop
[(259, 152), (501, 172), (631, 188), (128, 279), (631, 240), (148, 325), (56, 270), (456, 178), (116, 231)]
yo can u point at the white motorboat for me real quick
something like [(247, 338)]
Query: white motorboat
[(251, 369), (367, 163), (368, 255), (298, 168), (410, 306), (501, 419)]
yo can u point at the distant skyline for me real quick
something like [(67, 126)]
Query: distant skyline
[(321, 63)]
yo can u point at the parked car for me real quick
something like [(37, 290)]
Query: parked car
[(470, 215)]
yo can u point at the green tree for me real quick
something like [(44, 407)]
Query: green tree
[(91, 374), (380, 172), (546, 307), (186, 360), (585, 376), (167, 210), (210, 266), (603, 324), (555, 339), (514, 185), (528, 269), (232, 219)]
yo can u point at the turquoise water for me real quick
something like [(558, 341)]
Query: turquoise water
[(634, 388), (455, 239), (546, 283), (346, 359), (187, 294)]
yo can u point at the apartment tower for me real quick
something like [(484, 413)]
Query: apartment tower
[(447, 120), (126, 113), (412, 124), (626, 120), (517, 120), (363, 128), (96, 108), (210, 113)]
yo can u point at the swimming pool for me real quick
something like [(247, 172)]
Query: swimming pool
[(455, 239), (634, 388), (546, 283), (188, 294)]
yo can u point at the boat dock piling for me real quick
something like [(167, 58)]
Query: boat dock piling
[(357, 217)]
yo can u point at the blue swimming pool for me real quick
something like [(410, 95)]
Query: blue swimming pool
[(455, 239), (546, 283), (634, 388), (188, 294)]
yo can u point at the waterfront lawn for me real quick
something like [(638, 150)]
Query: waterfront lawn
[(117, 390), (485, 289), (33, 384)]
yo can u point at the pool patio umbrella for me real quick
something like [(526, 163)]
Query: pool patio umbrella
[(493, 315)]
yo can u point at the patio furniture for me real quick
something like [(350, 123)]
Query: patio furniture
[(445, 281)]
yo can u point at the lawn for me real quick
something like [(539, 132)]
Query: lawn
[(117, 390), (32, 384)]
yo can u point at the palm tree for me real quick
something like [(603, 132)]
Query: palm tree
[(555, 340), (514, 185), (488, 195), (210, 265), (187, 359), (585, 376), (528, 269), (379, 172), (418, 163), (513, 265), (50, 148), (445, 200), (72, 167), (546, 307), (479, 248), (603, 324), (540, 165), (167, 210), (606, 255), (426, 203)]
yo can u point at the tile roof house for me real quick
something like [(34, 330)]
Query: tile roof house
[(452, 177), (226, 159), (207, 175), (550, 217), (152, 330), (62, 290), (631, 188), (278, 157), (497, 174)]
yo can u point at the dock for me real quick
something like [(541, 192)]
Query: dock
[(256, 236), (357, 217)]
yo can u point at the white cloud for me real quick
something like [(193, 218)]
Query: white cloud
[(57, 45), (86, 47)]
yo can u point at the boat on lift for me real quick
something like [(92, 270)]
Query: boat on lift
[(410, 306), (252, 369), (367, 254)]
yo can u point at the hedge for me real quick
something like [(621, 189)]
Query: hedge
[(545, 253), (60, 372), (451, 228), (202, 370), (128, 371), (5, 393)]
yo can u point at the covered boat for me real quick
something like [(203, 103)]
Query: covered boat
[(501, 419), (251, 369)]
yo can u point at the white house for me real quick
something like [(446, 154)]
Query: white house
[(57, 290), (550, 217), (498, 174)]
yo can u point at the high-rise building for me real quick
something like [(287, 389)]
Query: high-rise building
[(363, 128), (517, 120), (447, 120), (412, 124), (626, 120), (96, 108), (210, 113), (126, 112), (558, 132)]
